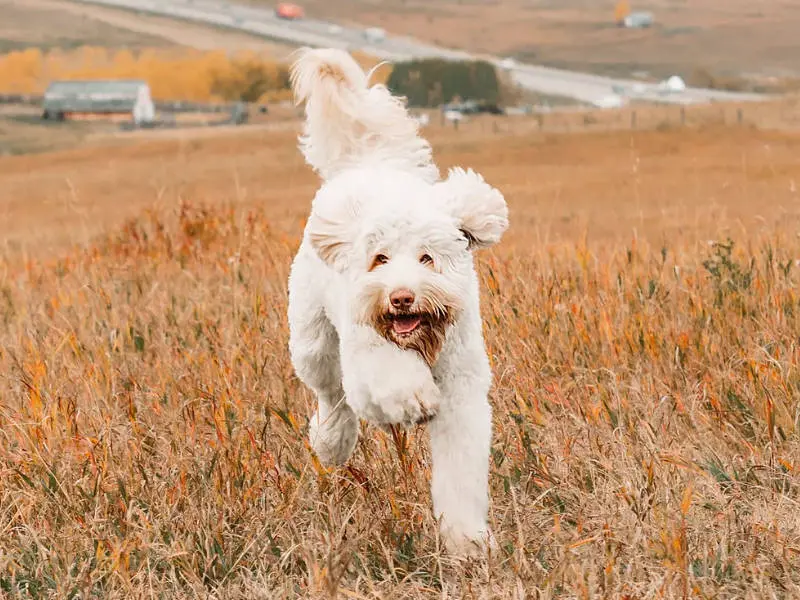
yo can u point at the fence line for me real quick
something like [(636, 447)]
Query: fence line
[(175, 106), (784, 115)]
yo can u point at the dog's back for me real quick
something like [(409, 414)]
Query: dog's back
[(350, 124)]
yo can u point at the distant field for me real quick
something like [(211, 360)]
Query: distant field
[(26, 25), (26, 132), (735, 39), (724, 39), (676, 182), (725, 36), (60, 24), (646, 392)]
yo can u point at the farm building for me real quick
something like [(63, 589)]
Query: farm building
[(132, 98)]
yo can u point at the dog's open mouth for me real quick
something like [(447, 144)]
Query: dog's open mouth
[(419, 330), (405, 324)]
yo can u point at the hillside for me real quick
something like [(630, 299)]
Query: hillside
[(722, 39), (726, 37), (65, 25)]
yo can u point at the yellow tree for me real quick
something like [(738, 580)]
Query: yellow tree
[(622, 10)]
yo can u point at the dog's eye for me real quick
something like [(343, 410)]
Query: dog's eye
[(378, 259), (426, 259)]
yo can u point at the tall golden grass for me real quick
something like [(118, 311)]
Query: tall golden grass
[(645, 401)]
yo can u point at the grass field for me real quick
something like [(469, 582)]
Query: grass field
[(646, 377)]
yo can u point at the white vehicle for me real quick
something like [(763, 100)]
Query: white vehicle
[(610, 101), (508, 64), (375, 34), (334, 29), (675, 84)]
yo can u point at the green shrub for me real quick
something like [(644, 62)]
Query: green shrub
[(432, 82)]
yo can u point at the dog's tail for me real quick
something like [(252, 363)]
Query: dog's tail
[(350, 123)]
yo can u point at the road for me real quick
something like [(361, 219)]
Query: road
[(583, 87)]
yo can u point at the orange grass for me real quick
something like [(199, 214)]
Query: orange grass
[(646, 398)]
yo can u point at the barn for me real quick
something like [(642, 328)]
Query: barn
[(108, 98)]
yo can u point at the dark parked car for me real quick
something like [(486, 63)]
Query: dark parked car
[(473, 107)]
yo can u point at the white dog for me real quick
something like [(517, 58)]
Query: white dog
[(383, 295)]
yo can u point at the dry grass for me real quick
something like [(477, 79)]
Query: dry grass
[(646, 409)]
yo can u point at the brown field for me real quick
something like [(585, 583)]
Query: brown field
[(45, 24), (65, 25), (23, 132), (724, 36), (646, 379)]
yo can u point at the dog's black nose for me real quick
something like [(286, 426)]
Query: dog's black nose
[(402, 298)]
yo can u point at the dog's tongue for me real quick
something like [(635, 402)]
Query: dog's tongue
[(405, 324)]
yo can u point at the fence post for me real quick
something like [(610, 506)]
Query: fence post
[(633, 120), (683, 116), (740, 116)]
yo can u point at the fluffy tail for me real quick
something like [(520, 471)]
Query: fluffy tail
[(349, 123)]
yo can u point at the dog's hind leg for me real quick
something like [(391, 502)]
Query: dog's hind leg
[(314, 348)]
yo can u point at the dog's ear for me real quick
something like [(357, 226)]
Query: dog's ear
[(332, 230), (479, 208)]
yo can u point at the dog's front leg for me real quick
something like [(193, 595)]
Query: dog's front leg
[(460, 444), (384, 383)]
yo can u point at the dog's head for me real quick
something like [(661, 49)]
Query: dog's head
[(406, 247)]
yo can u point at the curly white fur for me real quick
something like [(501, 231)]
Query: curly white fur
[(384, 308)]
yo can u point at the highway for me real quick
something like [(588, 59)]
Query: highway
[(583, 87)]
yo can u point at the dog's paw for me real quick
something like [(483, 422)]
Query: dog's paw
[(412, 406), (387, 385), (333, 436), (397, 400), (403, 403), (468, 545)]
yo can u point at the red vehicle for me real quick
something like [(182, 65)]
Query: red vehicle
[(285, 10)]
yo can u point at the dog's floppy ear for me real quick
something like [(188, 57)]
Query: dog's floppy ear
[(479, 208), (332, 230)]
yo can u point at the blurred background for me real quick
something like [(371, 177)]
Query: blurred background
[(83, 66), (641, 314)]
